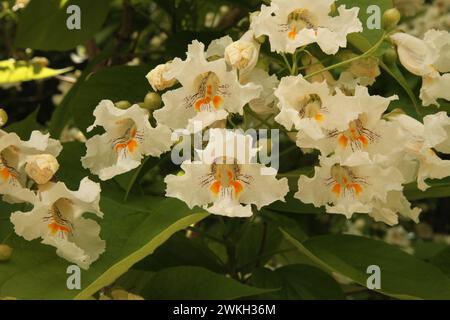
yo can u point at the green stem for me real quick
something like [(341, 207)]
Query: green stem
[(343, 63), (7, 237), (286, 61)]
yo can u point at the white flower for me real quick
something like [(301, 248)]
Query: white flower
[(14, 155), (226, 177), (158, 79), (350, 186), (291, 24), (265, 103), (217, 47), (360, 127), (128, 137), (435, 86), (427, 58), (420, 159), (309, 107), (57, 219), (243, 54), (395, 204), (207, 94)]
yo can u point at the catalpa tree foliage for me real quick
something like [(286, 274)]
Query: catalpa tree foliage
[(196, 149)]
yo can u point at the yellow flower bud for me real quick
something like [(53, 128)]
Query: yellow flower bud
[(391, 18), (3, 117), (152, 101), (123, 104), (5, 252)]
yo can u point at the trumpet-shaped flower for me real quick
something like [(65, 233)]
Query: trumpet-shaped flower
[(310, 107), (227, 177), (349, 186), (14, 156), (57, 219), (420, 159), (365, 131), (128, 137), (428, 58), (208, 93), (291, 24)]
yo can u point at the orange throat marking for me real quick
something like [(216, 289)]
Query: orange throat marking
[(226, 182), (55, 228)]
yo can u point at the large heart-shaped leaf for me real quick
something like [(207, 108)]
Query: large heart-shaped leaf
[(132, 231), (297, 282), (43, 24), (402, 275), (367, 11), (116, 83), (192, 283)]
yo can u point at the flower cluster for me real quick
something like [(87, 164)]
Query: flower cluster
[(27, 169), (367, 153)]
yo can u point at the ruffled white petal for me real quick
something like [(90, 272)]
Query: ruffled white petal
[(57, 219), (280, 21), (128, 138)]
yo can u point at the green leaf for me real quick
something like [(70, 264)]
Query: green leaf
[(394, 72), (132, 231), (181, 251), (70, 169), (13, 71), (194, 283), (24, 128), (257, 244), (438, 189), (116, 83), (297, 282), (42, 24), (442, 260), (293, 205), (402, 275), (63, 114), (364, 40)]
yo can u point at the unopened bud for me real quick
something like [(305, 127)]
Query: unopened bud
[(390, 56), (123, 104), (261, 39), (41, 168), (5, 252), (391, 18), (152, 101), (242, 54), (3, 117), (157, 78)]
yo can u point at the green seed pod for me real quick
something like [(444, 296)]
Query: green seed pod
[(152, 101), (391, 18), (123, 104), (5, 252)]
